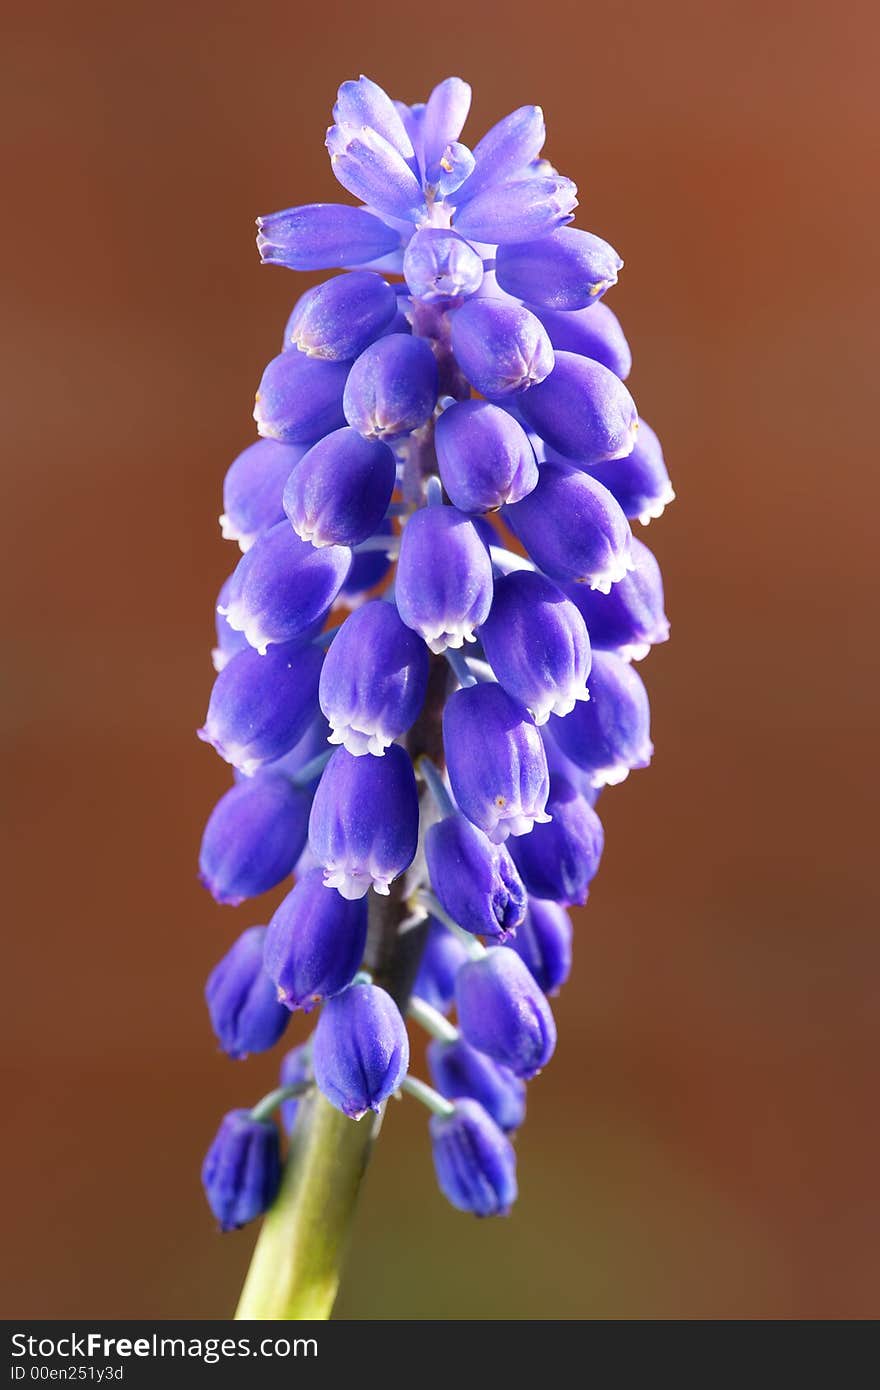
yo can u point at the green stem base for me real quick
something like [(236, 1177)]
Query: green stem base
[(294, 1272)]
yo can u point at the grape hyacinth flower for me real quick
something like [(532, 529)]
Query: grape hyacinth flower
[(434, 710)]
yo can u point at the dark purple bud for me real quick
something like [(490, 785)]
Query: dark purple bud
[(320, 235), (261, 705), (314, 943), (527, 210), (508, 148), (474, 879), (283, 586), (442, 958), (372, 169), (340, 491), (583, 411), (392, 387), (460, 1072), (609, 735), (337, 320), (374, 679), (252, 490), (445, 114), (543, 943), (440, 266), (365, 103), (444, 577), (364, 826), (593, 332), (630, 620), (640, 481), (536, 642), (559, 860), (242, 1002), (474, 1161), (569, 269), (485, 457), (502, 1012), (368, 568), (501, 347), (299, 398), (241, 1173), (572, 528), (361, 1050), (253, 838), (496, 761), (296, 1070)]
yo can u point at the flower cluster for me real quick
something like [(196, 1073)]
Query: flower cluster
[(449, 462)]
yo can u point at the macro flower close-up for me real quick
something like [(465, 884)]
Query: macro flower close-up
[(440, 876), (441, 722)]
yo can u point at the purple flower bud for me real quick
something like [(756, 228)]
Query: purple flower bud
[(361, 1051), (459, 1072), (559, 860), (261, 705), (445, 114), (229, 642), (502, 1012), (543, 943), (640, 482), (593, 332), (337, 320), (305, 750), (496, 761), (512, 144), (364, 826), (485, 457), (340, 491), (374, 679), (320, 235), (583, 411), (569, 269), (500, 347), (609, 735), (562, 766), (245, 1013), (283, 586), (474, 1161), (392, 387), (252, 490), (630, 620), (253, 838), (474, 879), (296, 1070), (573, 528), (456, 164), (444, 577), (314, 943), (440, 266), (527, 210), (372, 169), (299, 398), (241, 1173), (442, 958), (368, 568), (536, 642), (365, 103)]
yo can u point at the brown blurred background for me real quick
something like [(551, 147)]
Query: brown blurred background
[(706, 1141)]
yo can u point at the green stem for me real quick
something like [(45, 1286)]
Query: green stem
[(296, 1266)]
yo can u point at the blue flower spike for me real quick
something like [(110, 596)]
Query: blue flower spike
[(426, 650)]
